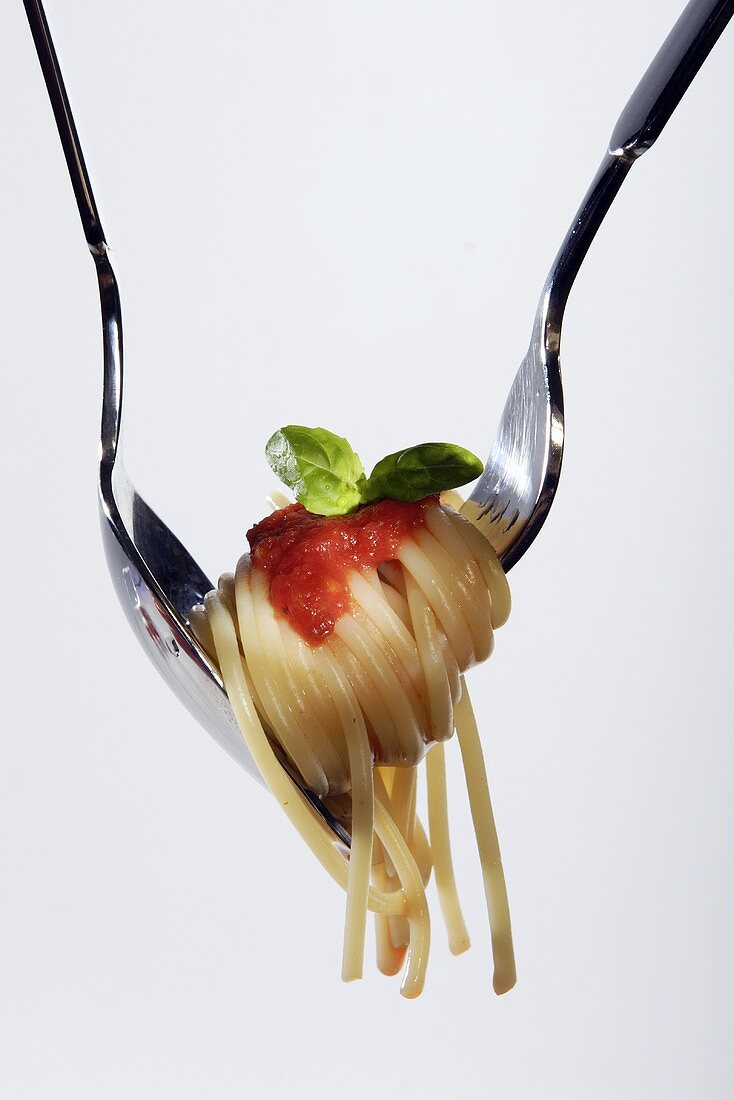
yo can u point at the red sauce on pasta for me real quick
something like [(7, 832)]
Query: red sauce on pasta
[(308, 558)]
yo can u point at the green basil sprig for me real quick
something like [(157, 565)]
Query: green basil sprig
[(321, 468), (327, 477), (419, 471)]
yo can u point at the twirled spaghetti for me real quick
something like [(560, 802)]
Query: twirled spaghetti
[(356, 676)]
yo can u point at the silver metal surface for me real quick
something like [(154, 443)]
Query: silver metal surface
[(158, 581), (513, 496)]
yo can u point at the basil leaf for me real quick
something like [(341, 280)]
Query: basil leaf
[(420, 471), (323, 471)]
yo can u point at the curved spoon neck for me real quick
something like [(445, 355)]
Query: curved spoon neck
[(112, 347)]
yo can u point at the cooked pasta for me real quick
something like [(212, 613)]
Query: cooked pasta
[(357, 694)]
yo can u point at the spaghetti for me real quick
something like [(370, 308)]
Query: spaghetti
[(342, 644)]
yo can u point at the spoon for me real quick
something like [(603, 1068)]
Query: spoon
[(154, 575)]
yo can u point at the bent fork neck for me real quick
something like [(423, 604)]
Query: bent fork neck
[(646, 113), (594, 208)]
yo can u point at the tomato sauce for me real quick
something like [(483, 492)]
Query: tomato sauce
[(308, 558)]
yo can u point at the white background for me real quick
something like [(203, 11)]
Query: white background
[(342, 213)]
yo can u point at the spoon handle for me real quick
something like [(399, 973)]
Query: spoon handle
[(65, 124), (671, 71)]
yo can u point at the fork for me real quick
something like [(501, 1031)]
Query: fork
[(512, 498), (156, 578)]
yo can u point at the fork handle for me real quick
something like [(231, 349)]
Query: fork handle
[(672, 69), (652, 103)]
